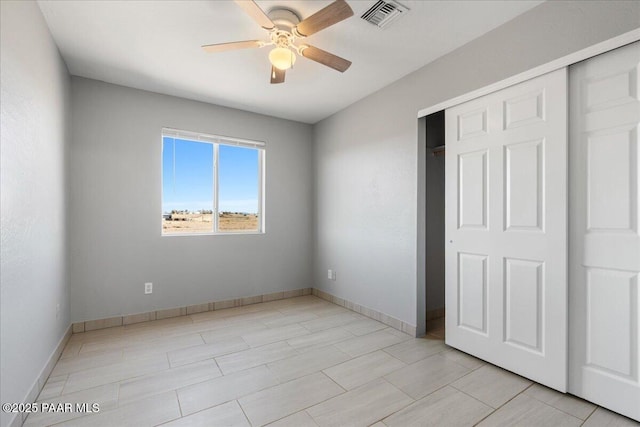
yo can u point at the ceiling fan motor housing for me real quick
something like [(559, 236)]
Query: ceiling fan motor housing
[(284, 19)]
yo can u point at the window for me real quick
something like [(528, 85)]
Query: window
[(211, 184)]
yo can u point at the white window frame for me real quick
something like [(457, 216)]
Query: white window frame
[(216, 141)]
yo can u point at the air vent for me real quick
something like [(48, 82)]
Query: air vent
[(384, 12)]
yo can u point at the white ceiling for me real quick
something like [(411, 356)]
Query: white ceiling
[(155, 46)]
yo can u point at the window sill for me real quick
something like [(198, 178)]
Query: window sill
[(233, 233)]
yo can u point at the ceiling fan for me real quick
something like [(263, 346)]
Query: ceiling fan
[(285, 27)]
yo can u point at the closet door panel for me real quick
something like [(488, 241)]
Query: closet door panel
[(611, 191), (506, 228), (524, 190), (605, 243), (524, 283), (472, 190), (472, 290), (606, 289)]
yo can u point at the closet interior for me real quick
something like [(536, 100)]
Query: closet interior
[(434, 260)]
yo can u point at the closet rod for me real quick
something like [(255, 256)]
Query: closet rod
[(438, 151)]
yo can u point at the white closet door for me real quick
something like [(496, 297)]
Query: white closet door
[(506, 228), (605, 240)]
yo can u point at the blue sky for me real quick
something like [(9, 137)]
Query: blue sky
[(190, 184)]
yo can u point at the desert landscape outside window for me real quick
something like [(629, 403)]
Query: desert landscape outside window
[(211, 184)]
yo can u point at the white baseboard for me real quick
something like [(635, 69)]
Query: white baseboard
[(39, 383), (92, 325), (374, 314)]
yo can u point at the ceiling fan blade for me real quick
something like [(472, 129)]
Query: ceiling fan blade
[(258, 15), (277, 75), (326, 58), (222, 47), (332, 14)]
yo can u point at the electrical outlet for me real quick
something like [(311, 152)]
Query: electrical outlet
[(57, 311), (148, 288), (331, 275)]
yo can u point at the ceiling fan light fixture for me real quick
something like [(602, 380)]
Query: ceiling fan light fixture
[(282, 58)]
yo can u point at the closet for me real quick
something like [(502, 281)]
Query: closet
[(542, 245)]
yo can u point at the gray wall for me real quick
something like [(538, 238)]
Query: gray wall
[(370, 202), (33, 276), (115, 193)]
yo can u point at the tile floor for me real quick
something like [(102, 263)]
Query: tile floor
[(296, 362)]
